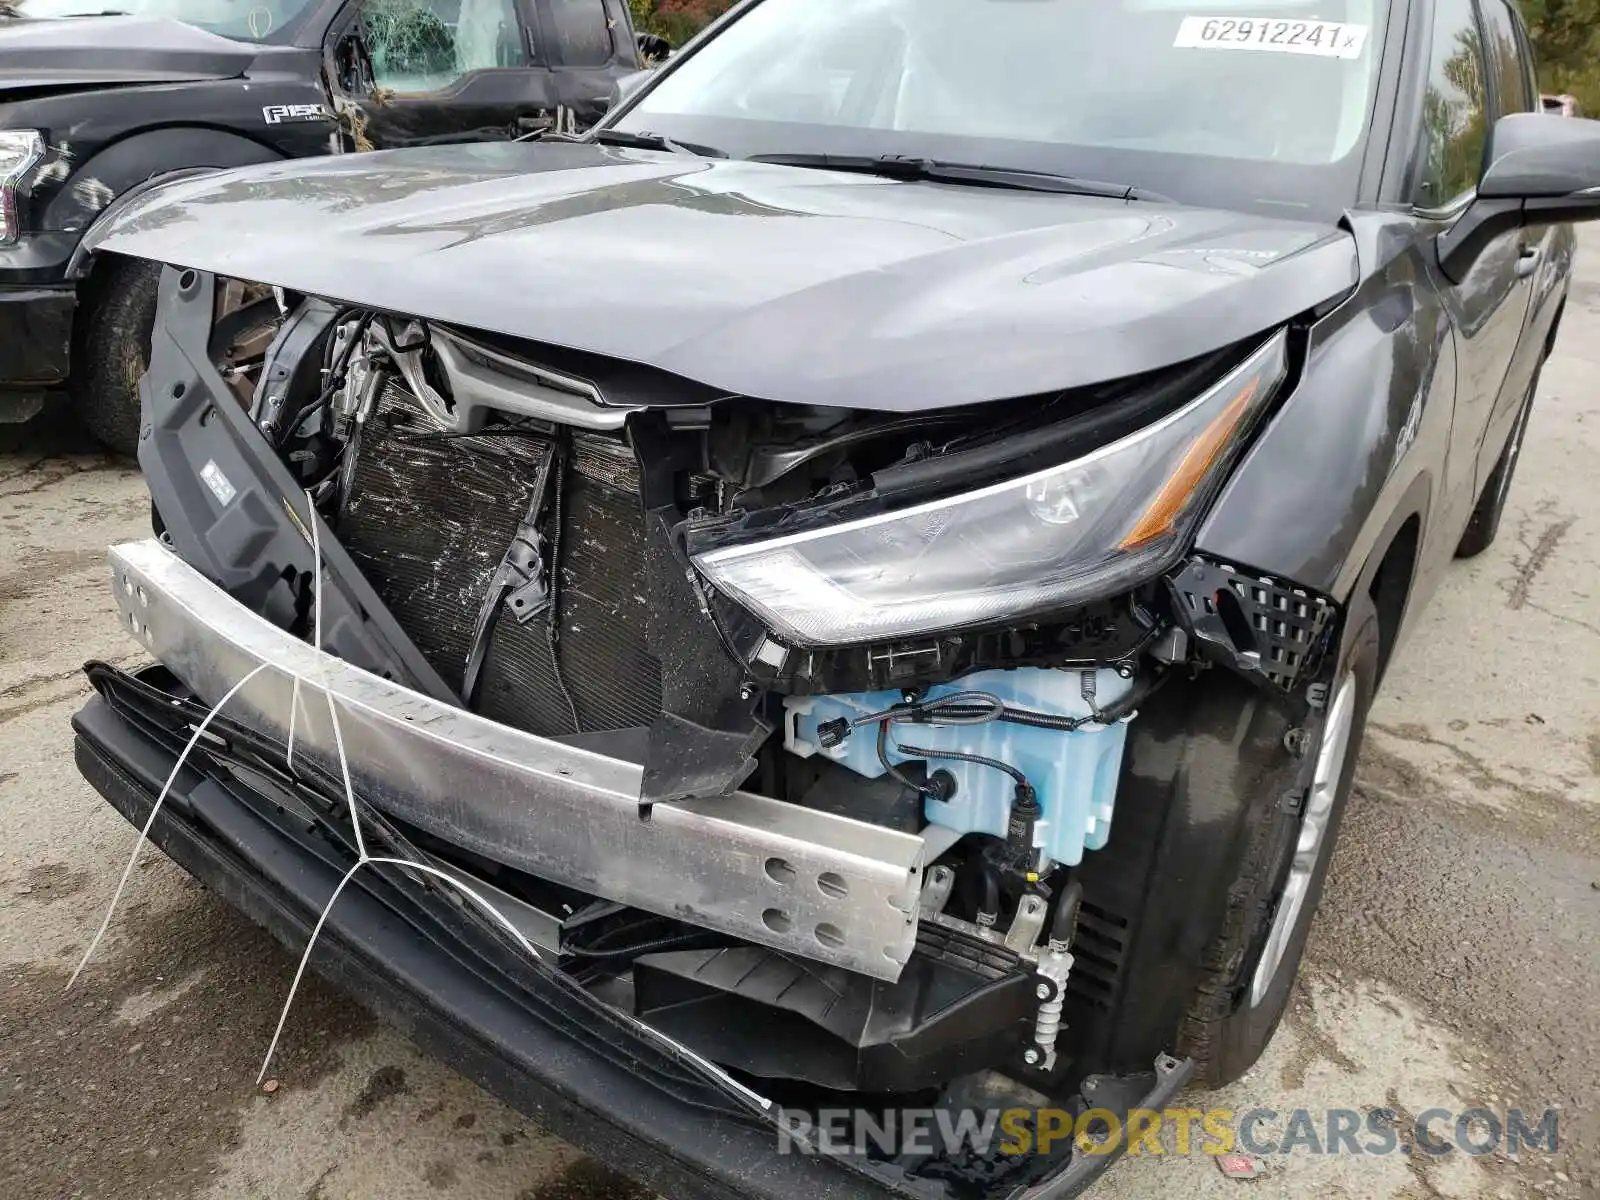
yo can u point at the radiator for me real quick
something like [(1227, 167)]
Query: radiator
[(428, 520)]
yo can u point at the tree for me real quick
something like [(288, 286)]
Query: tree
[(1566, 47), (676, 20)]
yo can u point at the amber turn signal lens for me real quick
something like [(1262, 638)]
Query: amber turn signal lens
[(1194, 466)]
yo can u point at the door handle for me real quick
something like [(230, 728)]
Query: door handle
[(1528, 261)]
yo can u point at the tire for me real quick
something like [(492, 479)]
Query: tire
[(1484, 523), (1248, 971), (112, 350)]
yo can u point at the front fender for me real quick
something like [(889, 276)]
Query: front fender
[(1359, 444), (141, 159)]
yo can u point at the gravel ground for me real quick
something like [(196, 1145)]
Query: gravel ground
[(1456, 960)]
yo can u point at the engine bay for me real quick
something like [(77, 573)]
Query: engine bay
[(508, 533), (523, 534)]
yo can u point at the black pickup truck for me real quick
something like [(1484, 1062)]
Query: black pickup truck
[(94, 105)]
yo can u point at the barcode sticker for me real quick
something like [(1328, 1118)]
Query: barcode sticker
[(1330, 39)]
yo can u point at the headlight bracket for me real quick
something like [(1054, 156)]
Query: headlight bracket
[(1268, 629), (1108, 633)]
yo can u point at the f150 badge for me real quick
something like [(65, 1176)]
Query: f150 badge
[(279, 114)]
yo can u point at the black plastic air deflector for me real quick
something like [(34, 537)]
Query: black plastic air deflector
[(233, 511), (952, 1011)]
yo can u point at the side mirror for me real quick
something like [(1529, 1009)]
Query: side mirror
[(1539, 157), (1542, 168)]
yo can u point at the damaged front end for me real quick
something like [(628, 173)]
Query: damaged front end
[(786, 733)]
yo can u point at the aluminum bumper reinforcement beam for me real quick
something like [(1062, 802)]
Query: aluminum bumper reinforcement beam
[(821, 886)]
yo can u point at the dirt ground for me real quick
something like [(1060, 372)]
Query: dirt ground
[(1456, 960)]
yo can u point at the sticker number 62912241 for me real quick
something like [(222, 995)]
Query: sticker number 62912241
[(1331, 39)]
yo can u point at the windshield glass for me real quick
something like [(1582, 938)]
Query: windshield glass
[(247, 20), (1253, 105)]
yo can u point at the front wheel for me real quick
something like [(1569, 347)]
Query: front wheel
[(1252, 965), (112, 351)]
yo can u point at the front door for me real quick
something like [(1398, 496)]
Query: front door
[(1511, 77), (590, 46), (1488, 303), (417, 72)]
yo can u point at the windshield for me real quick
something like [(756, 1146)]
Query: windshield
[(247, 20), (1245, 105)]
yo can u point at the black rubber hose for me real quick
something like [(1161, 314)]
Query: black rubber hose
[(969, 714), (894, 772), (1110, 714), (1064, 924), (958, 708), (980, 708), (1143, 688), (1021, 716), (989, 905), (958, 756)]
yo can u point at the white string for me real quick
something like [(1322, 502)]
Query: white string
[(327, 688), (305, 957), (316, 579), (344, 770), (362, 857), (294, 713), (150, 821)]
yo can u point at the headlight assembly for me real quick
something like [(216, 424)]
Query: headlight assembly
[(1065, 535), (20, 152)]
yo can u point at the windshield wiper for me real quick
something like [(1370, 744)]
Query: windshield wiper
[(899, 166), (651, 141)]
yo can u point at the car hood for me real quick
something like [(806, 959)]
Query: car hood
[(761, 280), (113, 51)]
